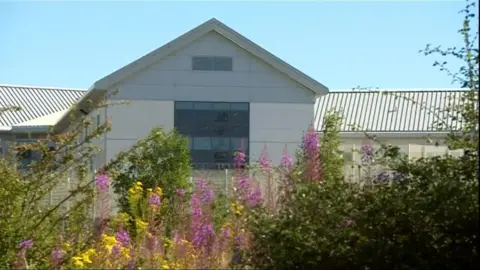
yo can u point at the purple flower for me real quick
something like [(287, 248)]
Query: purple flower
[(154, 200), (238, 240), (122, 236), (368, 154), (286, 161), (26, 244), (201, 183), (203, 236), (239, 159), (264, 160), (225, 232), (254, 197), (310, 142), (56, 256), (102, 182), (208, 195), (243, 184), (310, 148), (181, 192), (196, 207)]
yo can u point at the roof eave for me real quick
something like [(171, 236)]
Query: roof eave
[(25, 129), (93, 94)]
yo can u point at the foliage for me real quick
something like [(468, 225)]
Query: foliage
[(27, 220), (420, 214), (416, 214), (160, 159)]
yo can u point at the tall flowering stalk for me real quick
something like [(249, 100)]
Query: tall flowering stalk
[(312, 155), (103, 187), (202, 232), (368, 160), (266, 168)]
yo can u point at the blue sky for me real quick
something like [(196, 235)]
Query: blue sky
[(341, 44)]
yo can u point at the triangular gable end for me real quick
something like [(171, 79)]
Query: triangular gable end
[(184, 40)]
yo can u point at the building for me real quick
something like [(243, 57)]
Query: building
[(222, 91)]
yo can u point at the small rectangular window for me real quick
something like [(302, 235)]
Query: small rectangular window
[(222, 63), (202, 63), (218, 63)]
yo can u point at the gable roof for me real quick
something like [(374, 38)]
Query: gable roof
[(388, 111), (98, 90), (40, 106), (194, 34)]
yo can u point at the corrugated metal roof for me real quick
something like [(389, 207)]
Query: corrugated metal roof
[(36, 102), (388, 110)]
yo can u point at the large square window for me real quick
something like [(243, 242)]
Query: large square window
[(216, 130)]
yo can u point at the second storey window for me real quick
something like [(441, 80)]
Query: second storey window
[(216, 130), (212, 63)]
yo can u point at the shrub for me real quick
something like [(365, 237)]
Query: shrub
[(420, 214), (159, 160)]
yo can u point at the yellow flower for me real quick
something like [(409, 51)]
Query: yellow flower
[(141, 225), (124, 252), (108, 242), (165, 266), (237, 209), (122, 218), (77, 261), (136, 189), (159, 191), (66, 246), (168, 243), (91, 252)]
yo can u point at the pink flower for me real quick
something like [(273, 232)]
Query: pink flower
[(239, 159), (57, 255), (181, 192), (254, 197), (154, 200), (286, 161), (264, 160), (26, 244), (102, 182), (122, 236)]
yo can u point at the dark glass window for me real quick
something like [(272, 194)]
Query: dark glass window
[(202, 63), (216, 130), (212, 63)]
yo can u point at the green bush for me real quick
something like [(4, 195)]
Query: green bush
[(417, 214), (425, 220), (159, 160)]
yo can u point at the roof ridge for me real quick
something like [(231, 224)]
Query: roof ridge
[(402, 90), (43, 87)]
